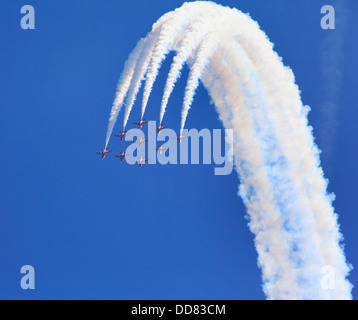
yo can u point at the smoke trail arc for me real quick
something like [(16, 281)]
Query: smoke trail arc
[(281, 181)]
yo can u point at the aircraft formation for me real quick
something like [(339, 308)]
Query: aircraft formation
[(160, 149)]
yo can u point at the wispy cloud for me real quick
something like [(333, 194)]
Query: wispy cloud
[(332, 62)]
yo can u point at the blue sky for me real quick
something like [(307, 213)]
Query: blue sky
[(97, 229)]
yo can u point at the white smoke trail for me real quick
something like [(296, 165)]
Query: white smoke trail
[(140, 70), (282, 184), (264, 220), (286, 113), (122, 88), (166, 40), (185, 49), (127, 75), (201, 60)]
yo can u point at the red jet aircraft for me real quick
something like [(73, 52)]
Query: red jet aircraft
[(104, 152), (160, 127), (122, 155), (140, 141), (140, 123), (160, 149), (180, 137), (121, 135), (141, 161)]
